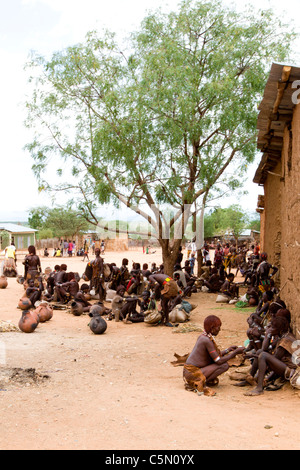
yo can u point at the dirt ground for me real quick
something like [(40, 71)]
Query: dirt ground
[(62, 387)]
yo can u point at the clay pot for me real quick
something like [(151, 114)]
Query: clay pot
[(76, 309), (97, 324), (28, 321), (3, 282), (44, 311), (24, 303), (96, 309)]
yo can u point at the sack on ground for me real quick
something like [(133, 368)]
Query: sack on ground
[(153, 317)]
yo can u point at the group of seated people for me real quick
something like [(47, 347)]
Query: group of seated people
[(132, 289), (270, 343), (258, 277), (136, 291), (143, 287), (270, 350)]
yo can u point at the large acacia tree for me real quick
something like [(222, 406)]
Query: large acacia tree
[(159, 123)]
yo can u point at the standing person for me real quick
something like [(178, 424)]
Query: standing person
[(102, 247), (85, 252), (218, 257), (165, 288), (205, 253), (32, 264), (65, 248), (97, 281), (125, 276), (10, 261), (192, 261), (189, 249), (70, 248), (206, 359)]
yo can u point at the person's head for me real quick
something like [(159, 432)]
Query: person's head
[(57, 267), (279, 325), (274, 307), (121, 290), (125, 262), (97, 251), (268, 296), (71, 276), (264, 256), (85, 288), (177, 267), (230, 277), (285, 313), (212, 324), (30, 283), (146, 294), (31, 250), (145, 266), (63, 267)]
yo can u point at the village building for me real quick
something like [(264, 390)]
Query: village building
[(279, 175), (22, 237)]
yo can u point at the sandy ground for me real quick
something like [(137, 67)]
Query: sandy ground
[(119, 391)]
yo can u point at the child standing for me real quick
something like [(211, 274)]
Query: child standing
[(192, 261)]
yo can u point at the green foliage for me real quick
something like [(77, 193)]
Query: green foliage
[(45, 234), (4, 239), (231, 220), (254, 224), (36, 217), (162, 125), (58, 222)]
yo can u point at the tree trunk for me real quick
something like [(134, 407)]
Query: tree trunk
[(199, 263), (169, 255)]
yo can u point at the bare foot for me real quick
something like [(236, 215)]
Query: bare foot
[(254, 393)]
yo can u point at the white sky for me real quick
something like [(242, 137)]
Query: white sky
[(49, 25)]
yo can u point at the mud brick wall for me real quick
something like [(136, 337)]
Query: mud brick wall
[(281, 219)]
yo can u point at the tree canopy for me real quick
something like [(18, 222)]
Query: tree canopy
[(163, 122), (60, 222), (230, 221)]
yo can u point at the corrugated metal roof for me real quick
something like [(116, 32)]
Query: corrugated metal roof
[(15, 228)]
